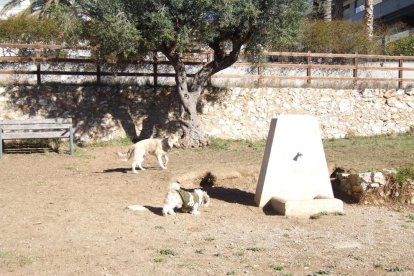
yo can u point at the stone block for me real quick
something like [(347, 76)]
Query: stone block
[(306, 208), (379, 178)]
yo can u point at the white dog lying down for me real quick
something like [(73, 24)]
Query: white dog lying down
[(187, 201), (153, 146)]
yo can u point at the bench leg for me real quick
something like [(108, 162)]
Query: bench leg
[(1, 144), (71, 140)]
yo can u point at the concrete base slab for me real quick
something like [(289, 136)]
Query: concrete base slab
[(306, 208)]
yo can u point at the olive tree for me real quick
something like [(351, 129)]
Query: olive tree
[(174, 27), (131, 28)]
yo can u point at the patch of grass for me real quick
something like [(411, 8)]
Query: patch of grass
[(239, 254), (231, 144), (125, 141), (378, 266), (231, 273), (356, 258), (386, 150), (219, 144), (209, 239), (70, 167), (394, 269), (158, 260), (410, 218), (256, 145), (159, 227), (82, 153), (255, 249), (199, 251), (12, 260), (405, 174), (399, 209), (318, 215), (277, 267), (339, 214), (168, 252), (320, 272)]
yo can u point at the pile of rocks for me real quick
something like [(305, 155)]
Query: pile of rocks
[(382, 185)]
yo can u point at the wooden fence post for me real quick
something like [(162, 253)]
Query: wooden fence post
[(259, 74), (98, 72), (37, 61), (308, 69), (155, 68), (400, 74), (355, 70)]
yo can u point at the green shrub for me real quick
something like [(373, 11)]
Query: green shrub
[(29, 29), (337, 37), (405, 174), (402, 47)]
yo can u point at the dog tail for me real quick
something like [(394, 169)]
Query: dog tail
[(126, 156), (175, 186)]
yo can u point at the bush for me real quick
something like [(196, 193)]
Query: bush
[(29, 29), (402, 47), (341, 37)]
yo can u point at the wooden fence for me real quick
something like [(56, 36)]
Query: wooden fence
[(354, 66)]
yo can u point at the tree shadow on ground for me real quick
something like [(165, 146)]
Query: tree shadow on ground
[(32, 146), (98, 111)]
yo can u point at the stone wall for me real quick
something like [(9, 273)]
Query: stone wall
[(105, 113), (245, 113)]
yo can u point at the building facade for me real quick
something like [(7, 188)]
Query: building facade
[(386, 11)]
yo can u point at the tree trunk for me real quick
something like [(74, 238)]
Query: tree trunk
[(369, 17), (190, 92), (327, 10), (193, 133)]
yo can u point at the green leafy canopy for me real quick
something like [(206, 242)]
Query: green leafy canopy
[(186, 25)]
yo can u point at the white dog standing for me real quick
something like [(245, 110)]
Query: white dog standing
[(187, 201), (152, 146)]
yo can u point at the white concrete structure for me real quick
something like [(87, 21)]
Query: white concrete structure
[(294, 175)]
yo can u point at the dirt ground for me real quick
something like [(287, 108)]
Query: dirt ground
[(62, 215)]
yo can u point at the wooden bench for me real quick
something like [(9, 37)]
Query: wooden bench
[(36, 129)]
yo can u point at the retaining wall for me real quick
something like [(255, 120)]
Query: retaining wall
[(105, 113)]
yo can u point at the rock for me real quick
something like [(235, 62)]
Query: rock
[(390, 93), (378, 177), (366, 177), (394, 102)]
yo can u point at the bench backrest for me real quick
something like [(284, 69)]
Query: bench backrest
[(36, 128)]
